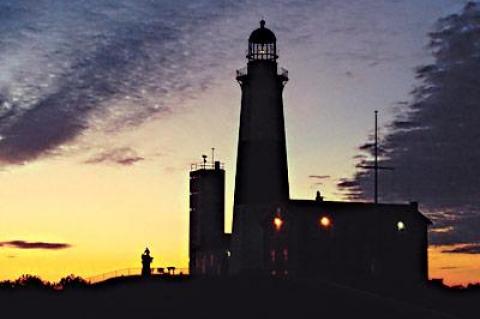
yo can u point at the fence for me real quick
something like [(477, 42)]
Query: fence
[(159, 271)]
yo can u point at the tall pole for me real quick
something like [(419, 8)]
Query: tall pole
[(375, 168), (375, 165)]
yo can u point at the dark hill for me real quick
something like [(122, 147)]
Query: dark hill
[(211, 298)]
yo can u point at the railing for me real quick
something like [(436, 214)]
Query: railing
[(159, 271), (277, 52), (243, 72), (209, 165), (283, 72)]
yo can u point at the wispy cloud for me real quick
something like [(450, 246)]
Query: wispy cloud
[(319, 176), (464, 249), (70, 66), (67, 67), (348, 184), (121, 156), (21, 244)]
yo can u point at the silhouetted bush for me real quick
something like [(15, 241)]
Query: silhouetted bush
[(73, 282), (7, 285), (31, 282)]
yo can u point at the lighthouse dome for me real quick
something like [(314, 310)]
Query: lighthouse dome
[(262, 35), (262, 44)]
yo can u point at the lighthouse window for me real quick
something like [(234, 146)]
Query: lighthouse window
[(285, 254), (262, 51)]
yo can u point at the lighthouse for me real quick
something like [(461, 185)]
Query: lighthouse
[(261, 180), (275, 235)]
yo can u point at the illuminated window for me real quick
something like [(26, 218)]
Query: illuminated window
[(278, 223), (401, 226), (325, 222), (285, 254)]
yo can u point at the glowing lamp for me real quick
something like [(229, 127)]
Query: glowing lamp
[(325, 222), (401, 226), (277, 222)]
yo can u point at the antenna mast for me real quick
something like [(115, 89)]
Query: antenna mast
[(375, 166)]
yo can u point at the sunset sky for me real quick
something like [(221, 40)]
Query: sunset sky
[(105, 104)]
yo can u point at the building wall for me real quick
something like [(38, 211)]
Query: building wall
[(207, 247), (361, 243), (261, 179), (262, 174)]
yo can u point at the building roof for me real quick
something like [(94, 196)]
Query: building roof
[(337, 205), (262, 35)]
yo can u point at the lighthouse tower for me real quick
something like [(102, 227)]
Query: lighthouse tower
[(261, 181)]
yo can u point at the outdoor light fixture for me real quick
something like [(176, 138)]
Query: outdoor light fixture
[(325, 222), (400, 226), (277, 222)]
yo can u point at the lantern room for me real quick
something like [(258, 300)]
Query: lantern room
[(262, 44)]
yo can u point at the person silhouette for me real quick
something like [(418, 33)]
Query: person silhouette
[(146, 261)]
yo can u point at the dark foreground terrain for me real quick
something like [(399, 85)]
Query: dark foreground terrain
[(234, 298)]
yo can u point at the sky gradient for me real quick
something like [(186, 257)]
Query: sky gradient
[(104, 105)]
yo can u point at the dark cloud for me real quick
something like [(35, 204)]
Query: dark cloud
[(66, 67), (350, 184), (464, 249), (319, 176), (21, 244), (122, 156), (366, 146), (434, 142), (461, 229)]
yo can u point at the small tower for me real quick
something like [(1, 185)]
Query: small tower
[(261, 180), (146, 261), (207, 247)]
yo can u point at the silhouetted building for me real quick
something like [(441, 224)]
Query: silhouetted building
[(278, 236), (146, 261), (208, 241)]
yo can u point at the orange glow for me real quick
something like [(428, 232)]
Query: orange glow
[(278, 223), (454, 269), (99, 208), (325, 222)]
